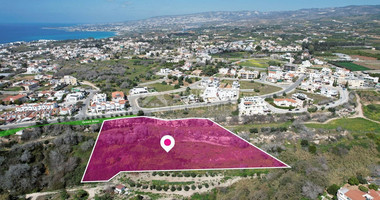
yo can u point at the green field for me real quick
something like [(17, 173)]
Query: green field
[(259, 87), (255, 63), (358, 125), (80, 122), (372, 111), (351, 66), (159, 87)]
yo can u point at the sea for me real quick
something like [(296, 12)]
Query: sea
[(31, 32)]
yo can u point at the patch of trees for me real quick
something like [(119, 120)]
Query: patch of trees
[(50, 164)]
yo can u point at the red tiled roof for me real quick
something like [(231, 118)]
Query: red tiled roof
[(290, 100)]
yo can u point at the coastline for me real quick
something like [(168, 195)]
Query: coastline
[(47, 32)]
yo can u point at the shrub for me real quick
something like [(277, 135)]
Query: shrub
[(304, 143), (172, 189), (253, 130), (333, 189), (361, 179), (373, 186), (363, 188), (200, 186), (179, 188), (206, 185), (193, 187), (312, 109), (187, 188), (140, 113), (353, 181), (313, 149)]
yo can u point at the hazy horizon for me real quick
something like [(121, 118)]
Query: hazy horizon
[(113, 11)]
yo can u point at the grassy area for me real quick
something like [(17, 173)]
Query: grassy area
[(80, 122), (203, 112), (351, 66), (159, 101), (358, 125), (261, 63), (13, 89), (372, 111), (159, 87), (259, 88)]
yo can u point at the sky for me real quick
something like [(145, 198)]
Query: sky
[(103, 11)]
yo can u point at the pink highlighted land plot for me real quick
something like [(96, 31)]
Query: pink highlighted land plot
[(133, 145)]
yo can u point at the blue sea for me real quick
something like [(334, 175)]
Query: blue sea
[(30, 32)]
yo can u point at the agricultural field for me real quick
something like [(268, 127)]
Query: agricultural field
[(254, 63), (351, 66)]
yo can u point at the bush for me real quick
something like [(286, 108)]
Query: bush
[(304, 143), (333, 189), (81, 194), (193, 187), (64, 195), (206, 185), (312, 109), (253, 130), (331, 110), (172, 189), (313, 149), (199, 186), (361, 179), (140, 113), (363, 188), (187, 188), (373, 186), (353, 181), (179, 188)]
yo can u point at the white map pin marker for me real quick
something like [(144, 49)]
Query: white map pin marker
[(167, 142)]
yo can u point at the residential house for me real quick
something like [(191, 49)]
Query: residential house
[(253, 106), (287, 102), (355, 194)]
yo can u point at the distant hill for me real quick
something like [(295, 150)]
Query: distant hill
[(235, 17)]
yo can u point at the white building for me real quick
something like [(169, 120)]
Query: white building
[(74, 97), (100, 97), (212, 94), (139, 90), (329, 92), (287, 102), (69, 80), (253, 106), (247, 74)]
